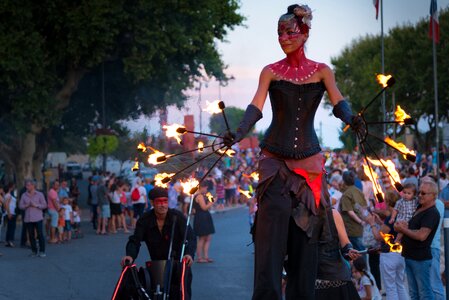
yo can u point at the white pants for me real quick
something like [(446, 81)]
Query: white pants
[(392, 270)]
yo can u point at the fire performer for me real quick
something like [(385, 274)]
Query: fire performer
[(292, 196), (155, 229)]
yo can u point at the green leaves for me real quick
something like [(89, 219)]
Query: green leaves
[(408, 57), (102, 144)]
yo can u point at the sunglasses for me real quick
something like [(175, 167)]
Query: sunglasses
[(424, 193)]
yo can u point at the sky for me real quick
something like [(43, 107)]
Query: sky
[(335, 25)]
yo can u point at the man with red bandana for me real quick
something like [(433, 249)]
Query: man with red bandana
[(154, 228), (292, 196)]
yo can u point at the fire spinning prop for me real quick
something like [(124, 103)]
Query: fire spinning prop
[(401, 118), (191, 185)]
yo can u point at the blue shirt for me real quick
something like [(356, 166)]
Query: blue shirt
[(437, 238), (444, 196)]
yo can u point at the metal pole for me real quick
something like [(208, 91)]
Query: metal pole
[(384, 127), (446, 254), (435, 87)]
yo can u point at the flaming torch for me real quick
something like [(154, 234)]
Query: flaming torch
[(190, 186), (389, 165), (141, 147), (253, 175), (200, 147), (402, 117), (171, 131), (389, 240), (135, 167), (247, 194), (156, 158), (162, 179), (372, 175), (210, 197), (408, 154)]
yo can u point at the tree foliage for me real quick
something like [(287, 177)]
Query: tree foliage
[(102, 144), (408, 57), (233, 114), (154, 51)]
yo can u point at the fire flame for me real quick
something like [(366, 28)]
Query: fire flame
[(391, 168), (210, 197), (406, 153), (253, 175), (389, 240), (229, 152), (200, 146), (156, 158), (161, 179), (190, 186), (382, 79), (247, 194), (171, 131), (141, 147), (401, 116), (372, 175), (135, 167), (213, 107)]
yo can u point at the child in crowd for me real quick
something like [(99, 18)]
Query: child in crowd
[(76, 221), (61, 224), (364, 281), (220, 192), (405, 207), (68, 218)]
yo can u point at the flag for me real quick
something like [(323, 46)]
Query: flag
[(433, 24), (376, 5)]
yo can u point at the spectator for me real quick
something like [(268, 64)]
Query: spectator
[(365, 284), (203, 225), (33, 202), (140, 204), (68, 219), (10, 205), (172, 196), (148, 187), (53, 207), (63, 190), (94, 200), (334, 190), (103, 206), (418, 236), (392, 264), (351, 204), (444, 196), (435, 274), (76, 221), (74, 190), (411, 178)]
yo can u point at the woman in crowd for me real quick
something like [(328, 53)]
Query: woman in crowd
[(203, 225)]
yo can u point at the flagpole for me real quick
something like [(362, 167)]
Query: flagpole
[(382, 55), (435, 87)]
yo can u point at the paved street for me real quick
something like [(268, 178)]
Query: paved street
[(88, 268)]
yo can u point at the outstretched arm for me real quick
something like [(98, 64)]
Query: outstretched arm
[(266, 76)]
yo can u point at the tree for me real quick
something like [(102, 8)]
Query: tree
[(233, 114), (408, 56), (47, 47)]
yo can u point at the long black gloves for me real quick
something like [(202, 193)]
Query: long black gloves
[(343, 112), (252, 115)]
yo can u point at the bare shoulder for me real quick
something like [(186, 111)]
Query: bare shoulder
[(267, 73)]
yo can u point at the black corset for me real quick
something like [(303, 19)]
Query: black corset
[(291, 133)]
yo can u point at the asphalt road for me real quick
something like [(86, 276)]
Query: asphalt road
[(89, 268)]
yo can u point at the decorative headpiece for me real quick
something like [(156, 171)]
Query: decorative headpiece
[(303, 14)]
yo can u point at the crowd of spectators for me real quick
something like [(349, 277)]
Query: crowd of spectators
[(115, 205)]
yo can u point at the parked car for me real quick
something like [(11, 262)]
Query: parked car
[(73, 169)]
